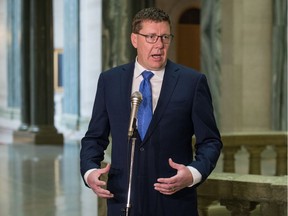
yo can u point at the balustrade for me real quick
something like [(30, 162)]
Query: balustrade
[(241, 193), (255, 144)]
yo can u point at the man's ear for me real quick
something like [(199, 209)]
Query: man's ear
[(134, 40)]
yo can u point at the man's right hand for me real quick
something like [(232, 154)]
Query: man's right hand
[(98, 186)]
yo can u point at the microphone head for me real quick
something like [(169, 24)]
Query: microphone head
[(136, 98)]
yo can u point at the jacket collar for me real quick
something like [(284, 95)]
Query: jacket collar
[(170, 79)]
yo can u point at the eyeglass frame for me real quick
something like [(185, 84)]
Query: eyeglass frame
[(171, 36)]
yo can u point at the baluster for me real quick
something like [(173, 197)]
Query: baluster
[(229, 158), (281, 160), (255, 159)]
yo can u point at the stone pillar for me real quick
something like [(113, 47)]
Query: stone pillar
[(42, 129), (25, 67), (255, 158), (281, 159), (13, 53), (229, 158), (90, 58), (71, 100), (211, 49), (117, 19), (279, 66)]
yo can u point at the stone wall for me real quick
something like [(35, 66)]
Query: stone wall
[(246, 65)]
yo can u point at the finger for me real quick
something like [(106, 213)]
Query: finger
[(103, 193), (93, 179), (174, 165), (99, 183), (165, 187), (166, 191), (171, 180), (100, 190), (105, 169)]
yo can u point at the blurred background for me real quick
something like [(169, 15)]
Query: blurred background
[(51, 55)]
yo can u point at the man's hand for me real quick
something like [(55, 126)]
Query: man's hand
[(182, 179), (98, 186)]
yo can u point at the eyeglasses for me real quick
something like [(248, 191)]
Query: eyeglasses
[(152, 38)]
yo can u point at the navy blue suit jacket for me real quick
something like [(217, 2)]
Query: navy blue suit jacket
[(184, 109)]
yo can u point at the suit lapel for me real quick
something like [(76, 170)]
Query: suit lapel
[(126, 86), (169, 83)]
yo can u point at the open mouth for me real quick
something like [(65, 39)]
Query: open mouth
[(156, 56)]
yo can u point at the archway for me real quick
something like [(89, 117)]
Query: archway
[(188, 40)]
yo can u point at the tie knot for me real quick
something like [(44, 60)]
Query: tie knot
[(147, 75)]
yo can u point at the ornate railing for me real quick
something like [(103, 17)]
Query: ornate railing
[(255, 144), (241, 193)]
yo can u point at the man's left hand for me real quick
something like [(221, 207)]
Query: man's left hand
[(171, 185)]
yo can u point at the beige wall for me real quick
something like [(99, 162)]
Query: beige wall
[(246, 65)]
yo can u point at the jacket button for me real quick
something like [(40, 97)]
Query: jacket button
[(141, 149)]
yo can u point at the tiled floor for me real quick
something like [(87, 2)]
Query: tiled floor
[(43, 181)]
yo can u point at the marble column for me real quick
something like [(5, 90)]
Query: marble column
[(13, 52), (71, 64), (279, 65), (211, 49), (40, 85), (25, 67), (117, 20)]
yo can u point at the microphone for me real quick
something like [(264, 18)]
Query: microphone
[(136, 99)]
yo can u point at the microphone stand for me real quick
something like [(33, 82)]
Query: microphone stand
[(133, 141), (136, 99)]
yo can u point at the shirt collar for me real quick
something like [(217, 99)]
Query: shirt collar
[(139, 69)]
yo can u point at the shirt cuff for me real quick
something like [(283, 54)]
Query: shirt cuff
[(87, 174), (196, 175)]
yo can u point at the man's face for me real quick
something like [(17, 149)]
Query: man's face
[(152, 56)]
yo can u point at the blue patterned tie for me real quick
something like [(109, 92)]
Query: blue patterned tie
[(145, 111)]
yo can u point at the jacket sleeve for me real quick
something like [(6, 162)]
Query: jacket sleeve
[(96, 139), (208, 141)]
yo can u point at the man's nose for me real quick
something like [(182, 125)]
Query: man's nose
[(159, 42)]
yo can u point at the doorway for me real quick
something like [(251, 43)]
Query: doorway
[(188, 39)]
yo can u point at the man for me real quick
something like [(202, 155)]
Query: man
[(165, 173)]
